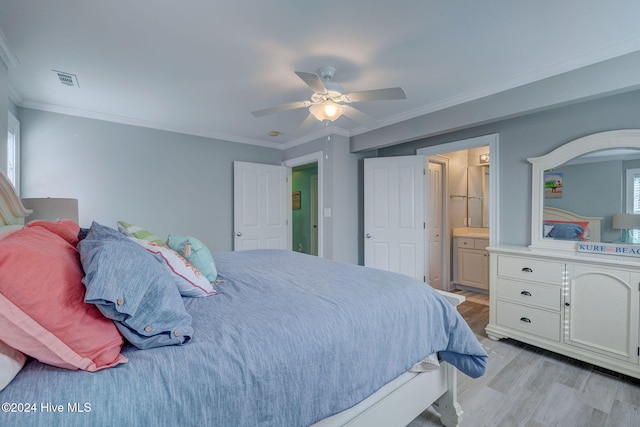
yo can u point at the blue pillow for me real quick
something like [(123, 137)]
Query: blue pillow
[(131, 287), (565, 231), (197, 254)]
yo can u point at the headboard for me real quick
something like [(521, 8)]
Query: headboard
[(592, 232), (12, 211)]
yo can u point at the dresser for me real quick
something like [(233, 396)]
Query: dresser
[(582, 305)]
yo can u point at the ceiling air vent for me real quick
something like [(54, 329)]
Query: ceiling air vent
[(67, 79)]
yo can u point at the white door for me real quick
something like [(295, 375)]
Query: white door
[(394, 214), (434, 222), (261, 206)]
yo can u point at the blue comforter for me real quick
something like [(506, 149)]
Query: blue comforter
[(289, 339)]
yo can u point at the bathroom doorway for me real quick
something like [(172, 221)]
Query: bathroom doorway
[(448, 197)]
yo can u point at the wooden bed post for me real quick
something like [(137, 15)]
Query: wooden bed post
[(447, 405)]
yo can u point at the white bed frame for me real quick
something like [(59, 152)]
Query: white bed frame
[(592, 233), (396, 404)]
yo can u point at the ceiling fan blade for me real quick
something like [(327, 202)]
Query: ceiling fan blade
[(279, 108), (307, 124), (377, 95), (359, 116), (313, 81)]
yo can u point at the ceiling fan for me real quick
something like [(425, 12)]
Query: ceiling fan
[(329, 100)]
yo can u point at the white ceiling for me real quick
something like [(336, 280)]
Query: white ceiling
[(201, 66)]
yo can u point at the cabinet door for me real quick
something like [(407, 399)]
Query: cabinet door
[(601, 311), (473, 268)]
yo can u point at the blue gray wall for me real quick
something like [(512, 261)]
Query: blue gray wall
[(174, 183), (166, 182)]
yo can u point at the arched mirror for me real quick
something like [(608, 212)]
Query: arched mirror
[(583, 191)]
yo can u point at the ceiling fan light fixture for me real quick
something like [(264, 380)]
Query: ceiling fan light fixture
[(327, 110)]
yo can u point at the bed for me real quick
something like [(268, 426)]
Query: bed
[(280, 338), (566, 225)]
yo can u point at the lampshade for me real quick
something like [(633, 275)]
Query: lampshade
[(52, 209), (626, 221), (326, 110)]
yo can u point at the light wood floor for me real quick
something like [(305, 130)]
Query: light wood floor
[(527, 386)]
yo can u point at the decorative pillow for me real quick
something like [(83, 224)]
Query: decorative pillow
[(11, 362), (65, 228), (42, 312), (194, 251), (131, 230), (566, 230), (188, 279), (130, 286)]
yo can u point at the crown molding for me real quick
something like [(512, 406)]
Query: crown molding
[(164, 127), (13, 95), (6, 53), (612, 52)]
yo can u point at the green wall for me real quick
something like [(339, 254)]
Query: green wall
[(301, 218)]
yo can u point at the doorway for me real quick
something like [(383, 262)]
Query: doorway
[(455, 158), (304, 208), (307, 203)]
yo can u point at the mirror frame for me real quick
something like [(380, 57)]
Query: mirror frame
[(626, 138)]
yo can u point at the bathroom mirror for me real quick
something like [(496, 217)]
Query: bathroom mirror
[(578, 187), (478, 196)]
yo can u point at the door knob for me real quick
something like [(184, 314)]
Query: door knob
[(238, 234), (368, 236)]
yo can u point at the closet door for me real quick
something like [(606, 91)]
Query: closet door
[(394, 197), (261, 206)]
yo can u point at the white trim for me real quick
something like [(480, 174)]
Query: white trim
[(171, 128), (6, 53), (630, 173), (447, 280), (14, 124), (566, 66), (316, 157), (493, 141)]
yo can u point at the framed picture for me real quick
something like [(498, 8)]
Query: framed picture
[(295, 200), (552, 185)]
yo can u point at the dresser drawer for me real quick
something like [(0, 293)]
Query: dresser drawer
[(530, 269), (527, 293), (529, 320)]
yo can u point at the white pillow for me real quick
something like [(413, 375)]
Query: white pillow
[(189, 280), (11, 361)]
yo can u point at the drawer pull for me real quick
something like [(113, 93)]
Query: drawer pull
[(525, 293), (525, 319), (527, 270)]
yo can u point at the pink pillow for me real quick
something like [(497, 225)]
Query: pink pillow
[(65, 228), (42, 308)]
